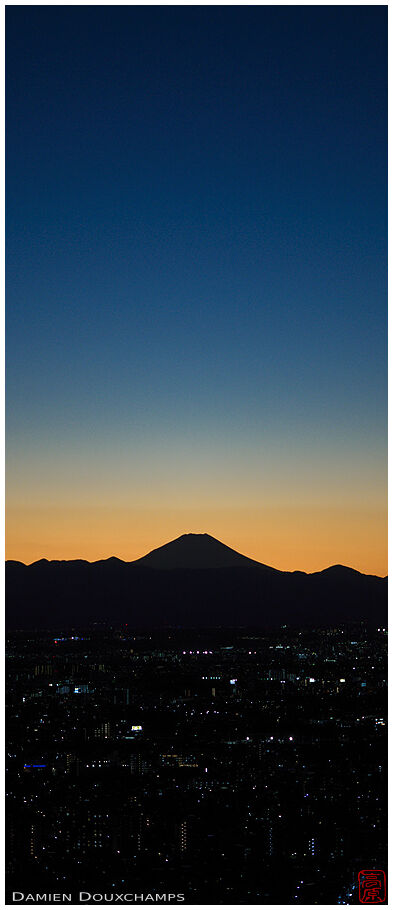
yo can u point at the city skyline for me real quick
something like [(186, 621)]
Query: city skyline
[(169, 761), (196, 282)]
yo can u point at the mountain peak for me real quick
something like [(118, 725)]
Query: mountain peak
[(195, 551)]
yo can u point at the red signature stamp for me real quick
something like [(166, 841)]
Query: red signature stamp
[(372, 886)]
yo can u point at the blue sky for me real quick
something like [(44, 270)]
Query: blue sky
[(196, 255)]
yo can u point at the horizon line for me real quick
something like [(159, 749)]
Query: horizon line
[(195, 534)]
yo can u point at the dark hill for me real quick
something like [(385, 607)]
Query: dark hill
[(192, 581), (195, 551)]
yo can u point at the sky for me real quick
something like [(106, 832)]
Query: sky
[(196, 287)]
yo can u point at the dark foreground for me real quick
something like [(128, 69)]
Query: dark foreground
[(228, 767)]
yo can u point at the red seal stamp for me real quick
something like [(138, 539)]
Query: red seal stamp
[(372, 886)]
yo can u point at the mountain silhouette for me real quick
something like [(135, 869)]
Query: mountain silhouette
[(195, 551), (192, 581)]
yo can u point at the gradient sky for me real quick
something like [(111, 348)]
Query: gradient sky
[(196, 318)]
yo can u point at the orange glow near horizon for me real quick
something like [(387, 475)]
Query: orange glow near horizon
[(307, 538), (196, 284)]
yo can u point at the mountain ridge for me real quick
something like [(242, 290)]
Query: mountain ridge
[(193, 582), (152, 559)]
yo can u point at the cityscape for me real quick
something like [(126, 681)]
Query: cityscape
[(197, 766), (196, 555)]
